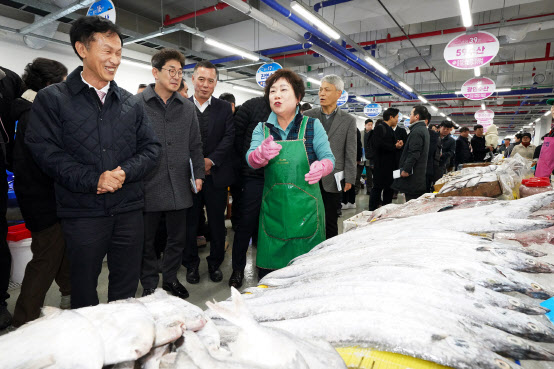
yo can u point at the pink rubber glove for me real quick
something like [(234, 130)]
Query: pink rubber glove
[(318, 170), (264, 153)]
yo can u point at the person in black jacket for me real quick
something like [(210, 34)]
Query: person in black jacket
[(215, 119), (384, 145), (349, 197), (478, 144), (251, 113), (448, 148), (11, 87), (463, 149), (96, 141), (37, 202), (433, 156)]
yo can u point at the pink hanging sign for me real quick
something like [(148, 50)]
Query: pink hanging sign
[(471, 51), (478, 88), (484, 114)]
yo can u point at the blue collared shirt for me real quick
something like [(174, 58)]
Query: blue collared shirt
[(322, 147)]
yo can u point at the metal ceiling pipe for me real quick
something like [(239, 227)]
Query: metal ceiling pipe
[(327, 3), (168, 21), (355, 64), (55, 15)]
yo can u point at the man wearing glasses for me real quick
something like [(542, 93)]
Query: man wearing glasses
[(167, 189), (215, 119)]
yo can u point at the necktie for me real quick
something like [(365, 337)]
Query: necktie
[(101, 95)]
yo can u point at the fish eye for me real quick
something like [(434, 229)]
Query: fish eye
[(532, 262), (533, 326), (502, 364), (536, 287), (515, 340), (514, 302)]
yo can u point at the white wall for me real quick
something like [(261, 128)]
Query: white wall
[(14, 55)]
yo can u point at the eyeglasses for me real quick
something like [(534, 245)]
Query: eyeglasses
[(174, 72)]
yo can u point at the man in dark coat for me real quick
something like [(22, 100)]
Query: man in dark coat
[(478, 144), (368, 132), (168, 189), (95, 140), (11, 87), (413, 162), (401, 135), (251, 113), (384, 144), (433, 156), (448, 148), (215, 119), (463, 149)]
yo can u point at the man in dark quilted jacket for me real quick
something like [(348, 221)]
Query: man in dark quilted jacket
[(95, 140)]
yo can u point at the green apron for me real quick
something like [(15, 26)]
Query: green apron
[(292, 216)]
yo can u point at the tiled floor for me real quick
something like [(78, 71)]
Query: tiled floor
[(206, 290)]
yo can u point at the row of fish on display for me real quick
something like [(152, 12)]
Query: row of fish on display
[(508, 171), (156, 332), (422, 284)]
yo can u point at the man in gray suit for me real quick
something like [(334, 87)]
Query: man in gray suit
[(168, 188), (341, 130)]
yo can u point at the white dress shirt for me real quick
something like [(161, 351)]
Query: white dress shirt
[(103, 89), (204, 106)]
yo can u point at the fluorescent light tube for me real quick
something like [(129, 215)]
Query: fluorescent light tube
[(538, 119), (442, 114), (483, 106), (423, 100), (547, 113), (232, 49), (308, 15), (313, 80), (466, 13), (434, 108), (376, 65), (503, 90), (359, 98), (448, 119), (249, 90), (458, 92), (406, 87), (477, 71)]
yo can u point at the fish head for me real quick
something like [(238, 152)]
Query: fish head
[(517, 305), (536, 291)]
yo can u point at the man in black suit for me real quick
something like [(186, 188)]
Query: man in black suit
[(215, 119)]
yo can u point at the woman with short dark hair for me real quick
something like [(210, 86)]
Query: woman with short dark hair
[(37, 201), (296, 154)]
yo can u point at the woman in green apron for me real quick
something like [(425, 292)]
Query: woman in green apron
[(296, 154)]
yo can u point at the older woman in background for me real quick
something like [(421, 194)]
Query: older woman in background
[(296, 154)]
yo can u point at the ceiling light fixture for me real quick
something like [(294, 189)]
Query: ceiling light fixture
[(311, 17), (144, 65), (423, 100), (448, 119), (376, 65), (483, 106), (538, 119), (248, 89), (434, 108), (313, 80), (405, 86), (361, 99), (477, 71), (547, 113), (442, 114), (466, 13), (458, 92), (503, 90), (232, 49)]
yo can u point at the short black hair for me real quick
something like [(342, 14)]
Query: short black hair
[(526, 134), (429, 117), (433, 125), (84, 28), (206, 64), (518, 136), (464, 129), (291, 77), (182, 85), (305, 106), (161, 57), (477, 126), (390, 113), (446, 124), (421, 111), (143, 85), (43, 72), (229, 97), (369, 120)]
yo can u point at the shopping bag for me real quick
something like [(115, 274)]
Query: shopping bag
[(545, 164)]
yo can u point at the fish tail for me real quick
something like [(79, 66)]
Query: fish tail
[(238, 314)]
